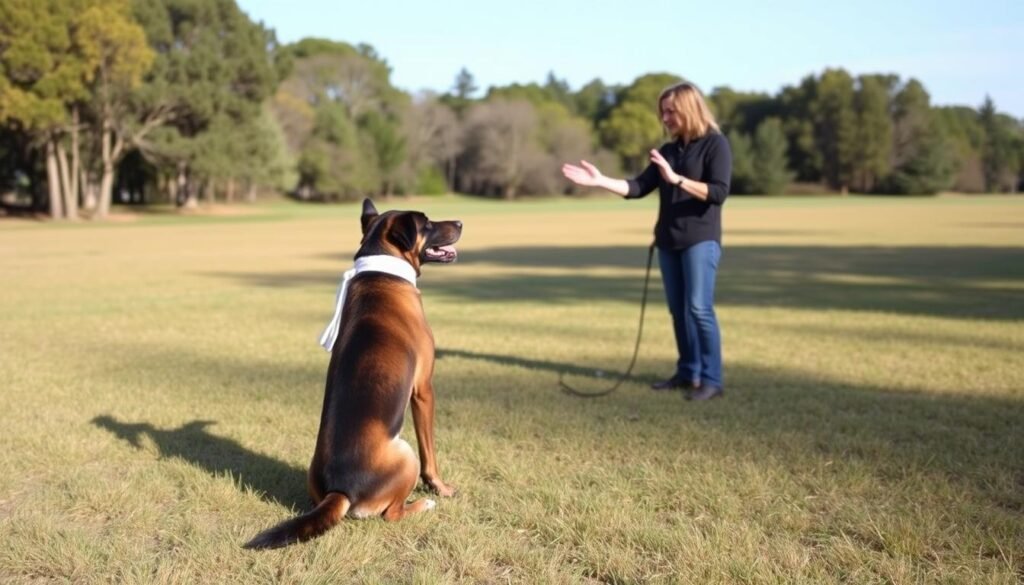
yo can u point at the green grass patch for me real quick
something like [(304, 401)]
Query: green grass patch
[(162, 390)]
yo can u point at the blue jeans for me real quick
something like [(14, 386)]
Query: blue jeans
[(689, 279)]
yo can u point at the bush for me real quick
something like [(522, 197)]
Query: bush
[(431, 181)]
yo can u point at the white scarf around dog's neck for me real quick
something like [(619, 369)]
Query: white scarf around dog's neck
[(386, 264)]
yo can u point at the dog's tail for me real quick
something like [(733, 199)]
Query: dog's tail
[(310, 525)]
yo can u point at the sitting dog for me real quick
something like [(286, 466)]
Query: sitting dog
[(382, 359)]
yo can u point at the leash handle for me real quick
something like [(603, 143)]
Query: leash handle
[(636, 350)]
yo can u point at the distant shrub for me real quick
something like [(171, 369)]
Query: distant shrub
[(431, 182)]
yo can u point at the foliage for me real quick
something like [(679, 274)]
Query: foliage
[(631, 130), (873, 135), (770, 158), (183, 99), (759, 164)]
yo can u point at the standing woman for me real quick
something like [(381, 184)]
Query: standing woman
[(692, 174)]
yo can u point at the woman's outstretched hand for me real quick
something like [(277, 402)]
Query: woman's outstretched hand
[(585, 175), (664, 168)]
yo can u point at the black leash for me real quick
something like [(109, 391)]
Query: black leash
[(636, 350)]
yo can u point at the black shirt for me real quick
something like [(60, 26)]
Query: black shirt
[(684, 220)]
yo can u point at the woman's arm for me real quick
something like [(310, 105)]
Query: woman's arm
[(587, 175)]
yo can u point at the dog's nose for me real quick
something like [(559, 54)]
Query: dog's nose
[(458, 224)]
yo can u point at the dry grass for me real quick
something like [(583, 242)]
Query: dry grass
[(162, 388)]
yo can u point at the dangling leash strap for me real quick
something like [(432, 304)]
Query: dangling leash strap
[(636, 350)]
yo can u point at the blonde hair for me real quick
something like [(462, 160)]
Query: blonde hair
[(693, 116)]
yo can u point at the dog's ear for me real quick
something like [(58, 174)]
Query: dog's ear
[(405, 228), (369, 212)]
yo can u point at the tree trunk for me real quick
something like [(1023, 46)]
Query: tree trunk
[(76, 185), (106, 190), (185, 195), (70, 196), (107, 179), (229, 191), (250, 194), (53, 181), (89, 190)]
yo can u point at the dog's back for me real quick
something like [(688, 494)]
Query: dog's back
[(384, 345)]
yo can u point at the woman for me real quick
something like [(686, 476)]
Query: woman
[(692, 174)]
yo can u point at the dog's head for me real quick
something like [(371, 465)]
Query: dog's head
[(409, 235)]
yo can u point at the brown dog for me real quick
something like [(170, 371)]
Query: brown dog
[(382, 360)]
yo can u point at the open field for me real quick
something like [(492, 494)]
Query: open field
[(162, 389)]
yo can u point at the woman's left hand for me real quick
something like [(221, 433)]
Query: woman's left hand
[(664, 168)]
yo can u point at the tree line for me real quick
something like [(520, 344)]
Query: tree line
[(147, 101)]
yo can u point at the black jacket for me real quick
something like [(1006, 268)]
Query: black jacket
[(684, 220)]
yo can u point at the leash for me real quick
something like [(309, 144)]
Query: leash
[(636, 350)]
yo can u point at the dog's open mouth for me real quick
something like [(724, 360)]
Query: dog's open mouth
[(441, 253)]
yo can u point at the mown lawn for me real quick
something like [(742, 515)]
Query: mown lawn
[(162, 389)]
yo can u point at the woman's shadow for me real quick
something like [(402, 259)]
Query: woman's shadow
[(272, 479)]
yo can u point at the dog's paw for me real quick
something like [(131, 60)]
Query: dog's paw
[(442, 489), (429, 504), (438, 486)]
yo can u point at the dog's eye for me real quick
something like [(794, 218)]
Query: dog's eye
[(428, 226)]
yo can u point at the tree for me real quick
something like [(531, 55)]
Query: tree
[(500, 147), (961, 128), (805, 158), (465, 86), (558, 90), (646, 89), (333, 163), (834, 120), (461, 95), (433, 136), (742, 111), (873, 133), (594, 101), (770, 163), (999, 153), (337, 104), (214, 66), (631, 130), (42, 75), (759, 164), (920, 158), (112, 39), (744, 178), (388, 146)]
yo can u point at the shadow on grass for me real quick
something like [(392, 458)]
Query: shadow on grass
[(529, 364), (192, 442), (954, 282), (967, 438), (972, 439)]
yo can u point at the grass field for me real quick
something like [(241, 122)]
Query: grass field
[(162, 389)]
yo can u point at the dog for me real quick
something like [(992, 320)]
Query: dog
[(382, 361)]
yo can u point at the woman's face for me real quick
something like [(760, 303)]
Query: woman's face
[(669, 116)]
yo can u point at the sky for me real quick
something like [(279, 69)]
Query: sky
[(960, 50)]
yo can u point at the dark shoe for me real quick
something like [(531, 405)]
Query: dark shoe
[(675, 383), (706, 393)]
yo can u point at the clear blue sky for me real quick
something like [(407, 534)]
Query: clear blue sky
[(960, 50)]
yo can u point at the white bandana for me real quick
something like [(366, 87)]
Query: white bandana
[(386, 264)]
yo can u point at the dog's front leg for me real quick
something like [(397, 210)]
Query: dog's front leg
[(423, 418)]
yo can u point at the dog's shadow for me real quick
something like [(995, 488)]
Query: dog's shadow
[(272, 479)]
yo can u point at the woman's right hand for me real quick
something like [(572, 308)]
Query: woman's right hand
[(585, 175)]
